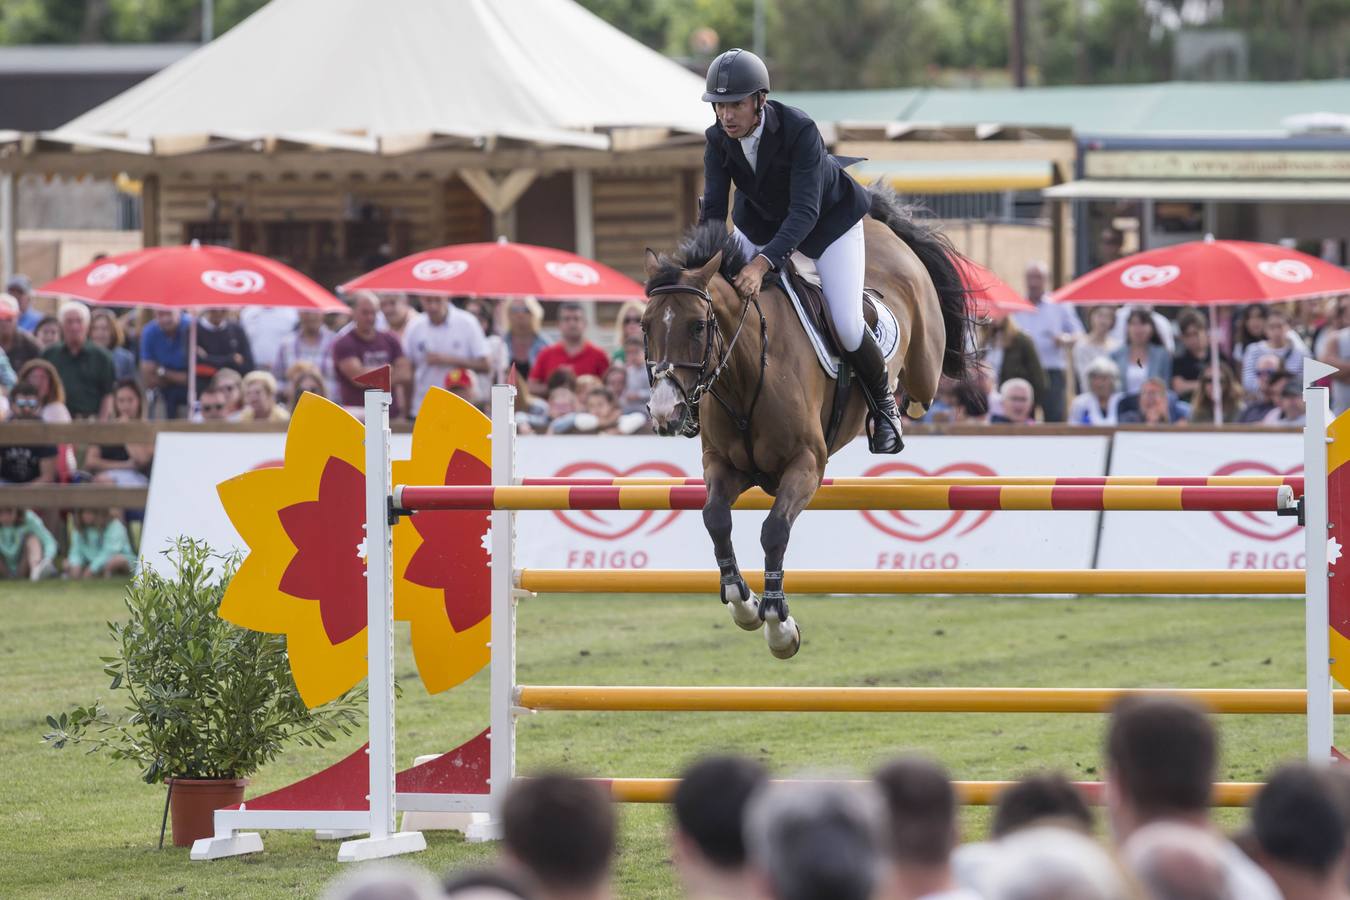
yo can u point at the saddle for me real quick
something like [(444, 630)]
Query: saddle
[(802, 276)]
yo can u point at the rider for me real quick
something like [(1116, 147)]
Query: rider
[(792, 195)]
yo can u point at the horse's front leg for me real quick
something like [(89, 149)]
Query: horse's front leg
[(796, 486), (725, 484)]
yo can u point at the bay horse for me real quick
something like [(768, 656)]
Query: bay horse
[(744, 375)]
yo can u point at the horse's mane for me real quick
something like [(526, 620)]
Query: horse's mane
[(700, 244)]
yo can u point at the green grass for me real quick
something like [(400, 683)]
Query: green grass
[(88, 827)]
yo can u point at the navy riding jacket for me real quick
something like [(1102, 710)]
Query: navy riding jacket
[(797, 198)]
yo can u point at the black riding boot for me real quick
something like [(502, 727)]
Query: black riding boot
[(883, 425)]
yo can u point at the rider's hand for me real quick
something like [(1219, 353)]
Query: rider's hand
[(750, 278)]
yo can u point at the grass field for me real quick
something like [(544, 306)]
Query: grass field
[(83, 826)]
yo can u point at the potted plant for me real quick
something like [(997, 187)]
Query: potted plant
[(207, 703)]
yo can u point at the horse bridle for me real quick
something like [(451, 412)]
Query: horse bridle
[(713, 342)]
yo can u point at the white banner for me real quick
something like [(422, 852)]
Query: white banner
[(1202, 540)]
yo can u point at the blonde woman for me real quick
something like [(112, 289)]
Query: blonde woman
[(628, 324), (260, 399), (524, 322), (51, 391)]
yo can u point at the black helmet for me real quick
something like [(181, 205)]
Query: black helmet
[(735, 75)]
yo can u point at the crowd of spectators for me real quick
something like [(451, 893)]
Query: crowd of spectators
[(734, 833)]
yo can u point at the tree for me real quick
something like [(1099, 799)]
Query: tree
[(850, 44)]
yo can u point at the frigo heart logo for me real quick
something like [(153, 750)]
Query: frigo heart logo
[(100, 275), (613, 524), (1142, 276), (240, 281), (1263, 526), (439, 269), (576, 273), (1290, 271), (925, 525)]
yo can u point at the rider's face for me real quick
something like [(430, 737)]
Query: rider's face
[(737, 119)]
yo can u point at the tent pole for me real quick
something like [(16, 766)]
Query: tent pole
[(1214, 365), (192, 364)]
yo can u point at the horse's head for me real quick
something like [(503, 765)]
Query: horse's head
[(678, 327)]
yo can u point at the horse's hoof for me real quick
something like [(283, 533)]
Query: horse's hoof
[(784, 638), (745, 613)]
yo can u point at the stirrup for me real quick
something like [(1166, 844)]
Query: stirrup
[(874, 434)]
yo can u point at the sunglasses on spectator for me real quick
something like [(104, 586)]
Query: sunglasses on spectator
[(27, 404), (637, 320), (1265, 373), (212, 407)]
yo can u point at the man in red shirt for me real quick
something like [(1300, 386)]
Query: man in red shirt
[(572, 351)]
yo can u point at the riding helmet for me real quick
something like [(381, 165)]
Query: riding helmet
[(735, 75)]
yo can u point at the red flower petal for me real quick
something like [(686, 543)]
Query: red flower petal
[(452, 556), (327, 566)]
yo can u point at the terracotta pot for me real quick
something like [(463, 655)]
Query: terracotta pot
[(193, 804)]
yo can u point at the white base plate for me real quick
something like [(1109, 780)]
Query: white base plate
[(378, 848), (221, 847)]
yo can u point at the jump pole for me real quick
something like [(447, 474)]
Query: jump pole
[(1317, 570)]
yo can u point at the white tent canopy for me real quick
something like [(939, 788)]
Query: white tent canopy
[(392, 76)]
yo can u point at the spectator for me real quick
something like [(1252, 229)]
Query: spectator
[(628, 324), (1280, 342), (32, 464), (365, 347), (1041, 799), (1171, 860), (230, 384), (1290, 408), (443, 339), (260, 399), (524, 343), (616, 380), (637, 388), (304, 378), (1097, 343), (99, 546), (1100, 403), (460, 383), (1202, 401), (85, 368), (311, 343), (1161, 754), (561, 831), (27, 548), (20, 287), (1301, 834), (1143, 355), (7, 375), (398, 315), (601, 404), (211, 406), (107, 333), (1272, 379), (922, 807), (572, 351), (51, 393), (267, 329), (1249, 328), (563, 407), (1017, 402), (485, 884), (164, 360), (1152, 406), (222, 344), (1048, 863), (498, 363), (709, 836), (1009, 354), (1332, 348), (1160, 324), (383, 881), (18, 345), (1053, 329), (47, 333), (816, 840), (1193, 355), (124, 464)]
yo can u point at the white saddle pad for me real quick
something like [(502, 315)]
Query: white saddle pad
[(887, 332)]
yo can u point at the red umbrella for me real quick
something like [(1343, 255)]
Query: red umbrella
[(987, 294), (192, 277), (499, 269)]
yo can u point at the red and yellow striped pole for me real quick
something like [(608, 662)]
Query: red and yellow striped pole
[(1295, 482)]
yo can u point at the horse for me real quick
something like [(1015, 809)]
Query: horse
[(750, 387)]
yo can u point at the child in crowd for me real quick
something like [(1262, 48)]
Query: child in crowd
[(99, 546), (27, 548)]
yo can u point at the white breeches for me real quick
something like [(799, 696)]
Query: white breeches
[(841, 267)]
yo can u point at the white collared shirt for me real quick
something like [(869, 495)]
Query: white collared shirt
[(750, 143)]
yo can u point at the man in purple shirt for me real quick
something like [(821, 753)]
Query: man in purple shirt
[(365, 347)]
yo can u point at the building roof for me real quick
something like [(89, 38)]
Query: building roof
[(90, 59)]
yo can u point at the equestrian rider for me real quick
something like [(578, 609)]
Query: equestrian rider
[(792, 195)]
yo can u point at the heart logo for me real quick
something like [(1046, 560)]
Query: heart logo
[(576, 273), (613, 524), (439, 269), (240, 281), (1263, 526), (1290, 271), (925, 525), (1142, 275), (104, 273)]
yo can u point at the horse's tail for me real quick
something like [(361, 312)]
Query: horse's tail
[(938, 256)]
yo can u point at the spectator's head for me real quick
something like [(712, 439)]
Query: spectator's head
[(24, 402), (1275, 385), (1049, 863), (1140, 329), (1103, 377), (1173, 861), (816, 840), (167, 320), (1340, 311), (43, 376), (383, 881), (486, 884), (459, 381), (1300, 831), (311, 321), (395, 308), (216, 316), (9, 515), (1194, 334), (616, 380), (1292, 407), (94, 518), (524, 315), (1228, 398), (1277, 327), (1037, 274), (230, 384), (304, 377), (436, 308), (561, 831), (572, 322), (634, 351), (629, 321), (1110, 244), (561, 402), (587, 383), (563, 376), (1048, 798), (1101, 320), (20, 287), (922, 807), (1253, 326), (365, 314), (128, 400), (1153, 397), (74, 317), (9, 317), (603, 405), (48, 332), (260, 392), (211, 402), (709, 807), (1019, 400), (1161, 752), (104, 329)]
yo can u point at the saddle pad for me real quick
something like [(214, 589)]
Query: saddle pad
[(886, 331)]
